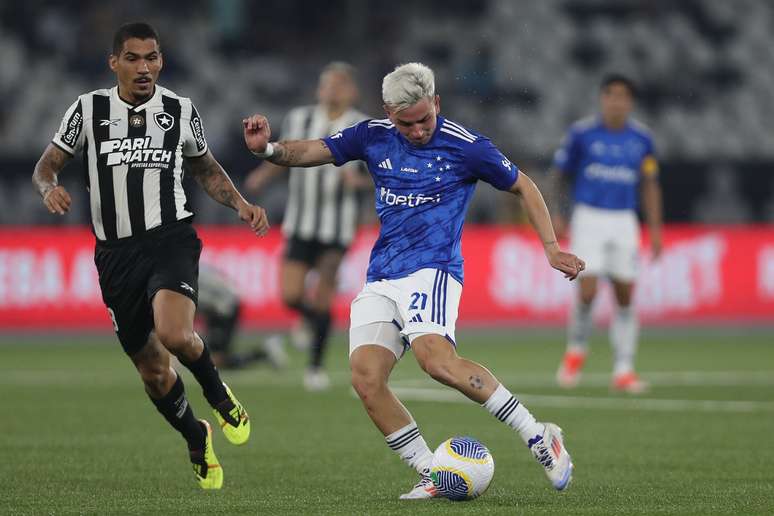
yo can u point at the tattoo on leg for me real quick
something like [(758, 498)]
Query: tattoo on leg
[(476, 382)]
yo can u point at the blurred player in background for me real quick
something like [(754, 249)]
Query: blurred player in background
[(135, 138), (219, 310), (425, 169), (321, 212), (608, 160)]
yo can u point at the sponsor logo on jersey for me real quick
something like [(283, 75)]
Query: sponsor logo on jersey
[(409, 170), (198, 133), (614, 174), (164, 120), (337, 135), (386, 164), (112, 122), (135, 152), (411, 200), (73, 129)]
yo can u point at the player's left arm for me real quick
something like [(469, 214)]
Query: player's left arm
[(652, 204), (539, 217), (215, 181)]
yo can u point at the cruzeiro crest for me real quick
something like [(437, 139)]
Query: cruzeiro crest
[(164, 120)]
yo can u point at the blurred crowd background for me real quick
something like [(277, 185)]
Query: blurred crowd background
[(518, 71)]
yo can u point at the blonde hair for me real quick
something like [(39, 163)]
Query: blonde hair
[(406, 85)]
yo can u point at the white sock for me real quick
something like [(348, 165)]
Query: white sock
[(504, 406), (412, 448), (624, 331), (579, 328)]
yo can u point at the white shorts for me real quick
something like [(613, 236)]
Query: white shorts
[(607, 240), (425, 301)]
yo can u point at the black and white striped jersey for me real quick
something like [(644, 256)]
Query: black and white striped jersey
[(133, 158), (319, 206)]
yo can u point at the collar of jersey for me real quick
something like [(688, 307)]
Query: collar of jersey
[(117, 97)]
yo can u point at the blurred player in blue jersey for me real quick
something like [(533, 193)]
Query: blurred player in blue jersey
[(425, 169), (608, 159)]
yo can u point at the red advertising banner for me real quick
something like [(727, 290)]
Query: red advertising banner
[(705, 274)]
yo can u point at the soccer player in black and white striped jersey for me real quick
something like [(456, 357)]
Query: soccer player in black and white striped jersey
[(321, 212), (135, 138)]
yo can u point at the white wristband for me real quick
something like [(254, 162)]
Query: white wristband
[(267, 153)]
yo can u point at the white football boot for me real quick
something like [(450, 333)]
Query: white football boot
[(550, 452), (423, 490)]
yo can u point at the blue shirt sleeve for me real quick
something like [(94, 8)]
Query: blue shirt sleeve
[(568, 154), (348, 144), (487, 163)]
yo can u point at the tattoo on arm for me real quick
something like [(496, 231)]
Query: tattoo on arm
[(304, 153), (476, 382), (47, 168), (214, 180)]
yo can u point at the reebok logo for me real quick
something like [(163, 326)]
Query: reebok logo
[(411, 200), (186, 286), (386, 164)]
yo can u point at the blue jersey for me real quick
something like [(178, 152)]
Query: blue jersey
[(606, 165), (422, 192)]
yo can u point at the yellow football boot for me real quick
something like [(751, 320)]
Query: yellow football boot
[(241, 432), (207, 469)]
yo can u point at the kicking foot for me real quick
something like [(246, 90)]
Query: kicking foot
[(548, 449)]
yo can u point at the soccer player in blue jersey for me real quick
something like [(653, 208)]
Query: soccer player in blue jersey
[(610, 160), (425, 168)]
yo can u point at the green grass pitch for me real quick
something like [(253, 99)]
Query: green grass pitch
[(78, 436)]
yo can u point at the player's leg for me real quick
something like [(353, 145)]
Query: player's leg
[(165, 389), (438, 357), (173, 316), (624, 328), (579, 328), (588, 236), (624, 334), (123, 274), (327, 267), (375, 347)]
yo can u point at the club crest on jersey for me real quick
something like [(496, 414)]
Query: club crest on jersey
[(164, 120), (136, 120)]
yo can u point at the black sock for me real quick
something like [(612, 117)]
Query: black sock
[(306, 311), (220, 330), (322, 326), (208, 377), (176, 410)]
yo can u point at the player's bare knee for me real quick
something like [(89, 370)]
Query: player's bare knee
[(367, 381), (179, 341)]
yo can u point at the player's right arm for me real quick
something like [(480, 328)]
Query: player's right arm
[(293, 153), (47, 169)]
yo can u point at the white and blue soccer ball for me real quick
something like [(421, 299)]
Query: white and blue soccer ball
[(462, 468)]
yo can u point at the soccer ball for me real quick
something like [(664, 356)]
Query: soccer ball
[(462, 468)]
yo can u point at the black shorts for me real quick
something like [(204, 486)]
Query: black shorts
[(309, 251), (132, 271)]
